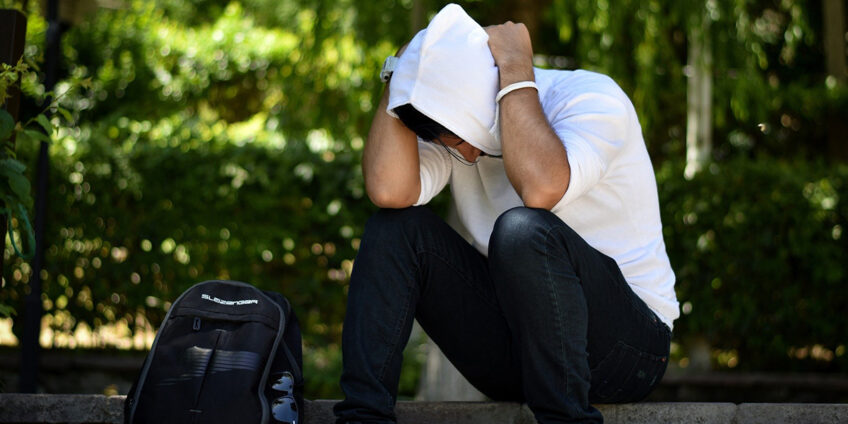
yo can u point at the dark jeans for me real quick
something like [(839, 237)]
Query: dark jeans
[(546, 319)]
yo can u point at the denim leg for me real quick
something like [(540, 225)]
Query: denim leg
[(573, 315), (412, 264)]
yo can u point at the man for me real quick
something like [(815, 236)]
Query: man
[(554, 287)]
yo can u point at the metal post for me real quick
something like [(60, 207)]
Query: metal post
[(32, 319)]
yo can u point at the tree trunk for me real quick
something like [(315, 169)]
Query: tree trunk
[(417, 15), (527, 12), (834, 39), (699, 104), (834, 49)]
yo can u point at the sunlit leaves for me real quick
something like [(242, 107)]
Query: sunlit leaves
[(766, 65), (757, 248), (295, 65)]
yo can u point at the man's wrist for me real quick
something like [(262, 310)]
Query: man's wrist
[(515, 86), (512, 72)]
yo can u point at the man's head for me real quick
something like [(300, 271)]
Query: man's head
[(430, 130), (424, 127), (448, 74)]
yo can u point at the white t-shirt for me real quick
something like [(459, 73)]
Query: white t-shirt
[(611, 200)]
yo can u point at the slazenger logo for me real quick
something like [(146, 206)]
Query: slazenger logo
[(229, 302)]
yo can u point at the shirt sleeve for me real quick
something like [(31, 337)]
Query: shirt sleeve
[(435, 170), (593, 128)]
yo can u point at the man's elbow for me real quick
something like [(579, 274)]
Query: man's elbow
[(391, 200), (543, 197)]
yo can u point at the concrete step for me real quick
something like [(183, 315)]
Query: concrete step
[(97, 409)]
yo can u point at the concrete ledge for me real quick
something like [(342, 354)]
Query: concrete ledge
[(98, 409), (321, 412), (89, 409), (767, 413)]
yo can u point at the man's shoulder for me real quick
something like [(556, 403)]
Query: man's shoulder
[(575, 82), (565, 92)]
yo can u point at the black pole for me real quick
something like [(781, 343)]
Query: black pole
[(33, 310)]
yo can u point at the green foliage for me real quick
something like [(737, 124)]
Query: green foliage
[(131, 227), (759, 252), (14, 185), (11, 4), (771, 94), (210, 142), (133, 224), (284, 75), (15, 195)]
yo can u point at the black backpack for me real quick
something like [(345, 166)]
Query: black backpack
[(219, 351)]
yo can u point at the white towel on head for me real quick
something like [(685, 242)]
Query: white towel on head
[(448, 73)]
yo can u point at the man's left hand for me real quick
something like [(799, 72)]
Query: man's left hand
[(512, 50)]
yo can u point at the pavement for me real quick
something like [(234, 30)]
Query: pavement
[(98, 409)]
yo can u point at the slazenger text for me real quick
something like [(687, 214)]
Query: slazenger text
[(229, 302)]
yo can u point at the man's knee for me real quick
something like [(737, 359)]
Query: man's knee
[(528, 233), (521, 225)]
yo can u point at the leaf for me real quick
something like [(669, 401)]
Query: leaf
[(14, 165), (29, 63), (7, 124), (7, 311), (23, 137), (37, 135), (65, 113), (20, 186), (45, 123), (86, 83)]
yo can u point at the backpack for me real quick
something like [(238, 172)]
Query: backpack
[(226, 352)]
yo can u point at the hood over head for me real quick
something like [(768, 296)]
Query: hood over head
[(447, 72)]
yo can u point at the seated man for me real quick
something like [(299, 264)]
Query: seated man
[(554, 287)]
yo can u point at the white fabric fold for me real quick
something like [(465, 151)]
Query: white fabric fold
[(447, 72)]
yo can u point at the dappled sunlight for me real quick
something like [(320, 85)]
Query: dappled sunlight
[(7, 338), (56, 333)]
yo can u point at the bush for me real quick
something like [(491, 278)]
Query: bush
[(130, 229), (220, 146), (757, 245), (759, 252)]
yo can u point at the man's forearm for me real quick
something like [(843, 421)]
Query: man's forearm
[(534, 157), (390, 161)]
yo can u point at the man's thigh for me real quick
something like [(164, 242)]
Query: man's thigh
[(627, 343), (459, 311)]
